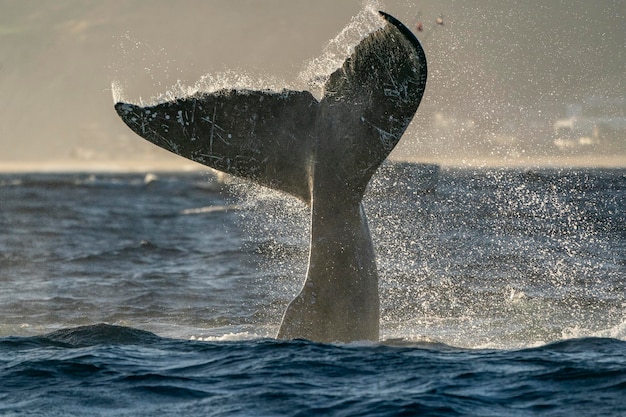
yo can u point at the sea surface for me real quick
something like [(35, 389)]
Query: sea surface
[(502, 293)]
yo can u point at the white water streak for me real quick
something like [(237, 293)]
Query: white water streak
[(316, 71)]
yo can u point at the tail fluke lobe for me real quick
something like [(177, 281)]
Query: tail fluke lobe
[(258, 135), (369, 102)]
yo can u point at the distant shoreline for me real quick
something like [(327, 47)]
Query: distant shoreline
[(114, 166), (145, 166)]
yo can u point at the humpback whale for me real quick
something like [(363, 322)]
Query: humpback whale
[(321, 152)]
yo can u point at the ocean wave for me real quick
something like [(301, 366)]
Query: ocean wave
[(113, 370), (99, 334)]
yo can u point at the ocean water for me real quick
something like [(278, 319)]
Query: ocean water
[(502, 293)]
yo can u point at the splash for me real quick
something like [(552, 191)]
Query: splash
[(317, 71), (159, 68), (230, 79), (313, 76), (118, 91), (538, 260), (208, 83), (277, 223), (277, 231)]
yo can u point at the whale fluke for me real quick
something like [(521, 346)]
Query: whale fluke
[(322, 152)]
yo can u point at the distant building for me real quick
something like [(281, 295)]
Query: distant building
[(595, 121)]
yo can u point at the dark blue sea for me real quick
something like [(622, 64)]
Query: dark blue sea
[(502, 294)]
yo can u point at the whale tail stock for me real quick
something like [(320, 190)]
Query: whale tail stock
[(322, 152)]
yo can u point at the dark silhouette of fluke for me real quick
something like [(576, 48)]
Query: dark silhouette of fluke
[(322, 152)]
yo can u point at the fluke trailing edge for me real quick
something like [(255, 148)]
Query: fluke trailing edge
[(322, 152)]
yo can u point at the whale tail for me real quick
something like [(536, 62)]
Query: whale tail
[(322, 152)]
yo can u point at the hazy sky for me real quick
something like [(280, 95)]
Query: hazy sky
[(59, 58)]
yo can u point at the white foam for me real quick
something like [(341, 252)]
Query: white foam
[(210, 209), (228, 337)]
